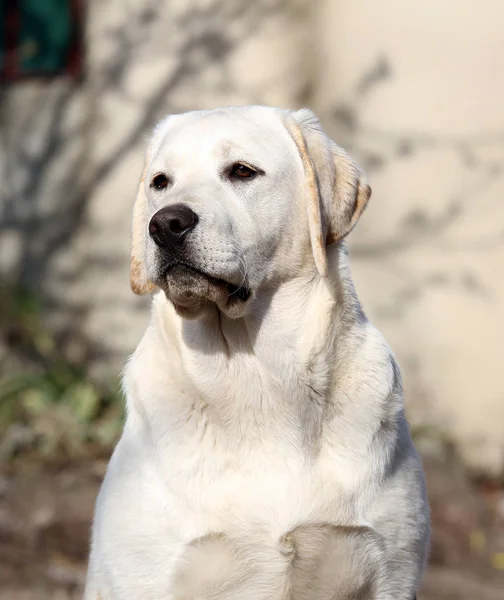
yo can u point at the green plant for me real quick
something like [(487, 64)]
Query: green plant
[(48, 405)]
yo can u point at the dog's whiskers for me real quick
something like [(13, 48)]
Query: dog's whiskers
[(242, 267)]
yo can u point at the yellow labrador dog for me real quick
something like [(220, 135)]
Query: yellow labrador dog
[(265, 455)]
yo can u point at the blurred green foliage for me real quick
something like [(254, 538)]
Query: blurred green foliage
[(47, 404)]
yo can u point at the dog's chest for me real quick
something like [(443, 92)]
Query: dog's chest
[(197, 489), (265, 491), (151, 514), (197, 470)]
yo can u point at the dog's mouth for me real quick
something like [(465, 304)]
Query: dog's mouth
[(190, 288), (240, 291)]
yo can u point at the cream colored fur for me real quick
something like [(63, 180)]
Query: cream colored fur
[(265, 454)]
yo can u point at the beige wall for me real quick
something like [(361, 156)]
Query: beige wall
[(413, 89)]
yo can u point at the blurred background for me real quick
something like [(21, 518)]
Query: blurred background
[(413, 89)]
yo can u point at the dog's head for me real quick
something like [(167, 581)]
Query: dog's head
[(232, 201)]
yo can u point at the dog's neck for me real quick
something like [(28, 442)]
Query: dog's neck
[(283, 352)]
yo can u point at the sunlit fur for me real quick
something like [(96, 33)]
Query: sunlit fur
[(265, 454)]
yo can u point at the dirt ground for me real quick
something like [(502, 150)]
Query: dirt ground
[(46, 511)]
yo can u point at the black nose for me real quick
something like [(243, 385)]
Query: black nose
[(169, 226)]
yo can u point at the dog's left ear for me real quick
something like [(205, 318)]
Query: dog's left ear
[(337, 189), (139, 281)]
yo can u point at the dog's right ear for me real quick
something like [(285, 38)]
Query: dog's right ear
[(139, 280)]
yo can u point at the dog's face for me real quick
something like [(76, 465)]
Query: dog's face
[(232, 201)]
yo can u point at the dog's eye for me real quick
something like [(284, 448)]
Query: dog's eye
[(160, 181), (241, 171)]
